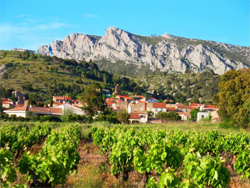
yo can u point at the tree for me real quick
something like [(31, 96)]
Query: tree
[(150, 114), (194, 113), (32, 98), (66, 114), (123, 116), (168, 116), (93, 100), (233, 96), (137, 90)]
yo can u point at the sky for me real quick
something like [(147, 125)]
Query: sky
[(29, 24)]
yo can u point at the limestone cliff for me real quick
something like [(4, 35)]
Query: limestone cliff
[(166, 52)]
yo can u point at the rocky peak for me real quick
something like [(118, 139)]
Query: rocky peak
[(167, 36), (167, 52)]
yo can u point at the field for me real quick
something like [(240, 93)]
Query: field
[(47, 154)]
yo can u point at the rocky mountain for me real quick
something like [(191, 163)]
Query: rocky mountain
[(164, 53)]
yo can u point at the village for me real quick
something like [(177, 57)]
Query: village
[(139, 108)]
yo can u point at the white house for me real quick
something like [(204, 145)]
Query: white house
[(74, 109), (202, 115), (19, 111), (40, 111), (35, 111)]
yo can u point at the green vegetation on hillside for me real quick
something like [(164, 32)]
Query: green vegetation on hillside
[(47, 76), (182, 87)]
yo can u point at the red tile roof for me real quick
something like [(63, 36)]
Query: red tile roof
[(128, 98), (159, 105), (6, 102), (184, 113), (171, 109), (210, 106), (193, 108), (136, 115), (139, 96), (193, 104), (59, 97), (39, 110), (58, 103), (56, 110), (23, 108), (183, 106), (19, 105)]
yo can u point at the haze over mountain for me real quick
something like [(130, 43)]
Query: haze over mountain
[(166, 52)]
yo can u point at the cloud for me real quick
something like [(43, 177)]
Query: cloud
[(90, 15), (30, 31)]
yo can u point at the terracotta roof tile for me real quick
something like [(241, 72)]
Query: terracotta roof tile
[(23, 108), (183, 106), (136, 115), (59, 97), (159, 105), (171, 109), (39, 110), (56, 110), (184, 113)]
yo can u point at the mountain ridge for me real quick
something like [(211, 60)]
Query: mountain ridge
[(168, 53)]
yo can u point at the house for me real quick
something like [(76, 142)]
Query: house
[(182, 107), (208, 108), (156, 107), (184, 115), (7, 103), (73, 108), (19, 111), (171, 109), (144, 106), (202, 115), (116, 104), (41, 111), (34, 111), (215, 116), (124, 98), (138, 97), (60, 99), (137, 106), (138, 117), (152, 100)]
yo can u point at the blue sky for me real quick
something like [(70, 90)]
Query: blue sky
[(29, 24)]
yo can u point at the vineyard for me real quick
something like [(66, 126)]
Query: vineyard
[(162, 157)]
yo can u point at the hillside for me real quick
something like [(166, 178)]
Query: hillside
[(192, 87), (46, 76), (166, 53)]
